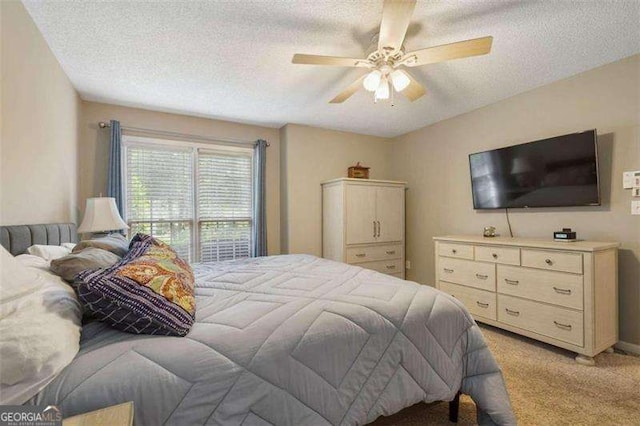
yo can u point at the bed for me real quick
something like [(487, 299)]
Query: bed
[(291, 340)]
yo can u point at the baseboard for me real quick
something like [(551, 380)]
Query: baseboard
[(628, 347)]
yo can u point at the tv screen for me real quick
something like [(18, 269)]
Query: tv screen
[(554, 172)]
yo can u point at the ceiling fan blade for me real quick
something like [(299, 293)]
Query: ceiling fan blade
[(396, 15), (348, 92), (446, 52), (414, 90), (300, 58)]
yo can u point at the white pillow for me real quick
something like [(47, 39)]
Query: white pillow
[(16, 280), (39, 328), (49, 253), (70, 246)]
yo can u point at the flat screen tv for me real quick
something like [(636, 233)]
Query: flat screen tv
[(555, 172)]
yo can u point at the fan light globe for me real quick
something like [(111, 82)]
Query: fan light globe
[(400, 80), (382, 92), (372, 81)]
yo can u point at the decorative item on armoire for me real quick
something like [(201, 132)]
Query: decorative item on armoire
[(358, 171)]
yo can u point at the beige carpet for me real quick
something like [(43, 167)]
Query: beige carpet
[(547, 387)]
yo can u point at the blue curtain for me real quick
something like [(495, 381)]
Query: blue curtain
[(259, 201), (114, 175)]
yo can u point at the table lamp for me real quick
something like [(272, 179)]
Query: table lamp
[(101, 216)]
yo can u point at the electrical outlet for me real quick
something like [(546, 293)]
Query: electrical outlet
[(635, 207), (630, 179), (636, 191), (407, 264)]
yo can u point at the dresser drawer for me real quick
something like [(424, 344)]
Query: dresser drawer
[(552, 260), (460, 251), (392, 266), (371, 253), (468, 272), (558, 288), (508, 256), (551, 321), (480, 303)]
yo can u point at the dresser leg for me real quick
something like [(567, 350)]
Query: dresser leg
[(609, 350), (585, 360)]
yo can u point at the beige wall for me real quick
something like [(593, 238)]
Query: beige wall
[(434, 162), (94, 149), (309, 156), (39, 137)]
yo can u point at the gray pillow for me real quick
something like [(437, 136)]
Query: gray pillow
[(90, 258), (115, 243)]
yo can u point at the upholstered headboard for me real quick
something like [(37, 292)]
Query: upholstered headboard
[(17, 238)]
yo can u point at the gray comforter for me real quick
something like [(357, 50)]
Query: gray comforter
[(290, 340)]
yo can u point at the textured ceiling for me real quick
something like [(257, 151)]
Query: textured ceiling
[(232, 59)]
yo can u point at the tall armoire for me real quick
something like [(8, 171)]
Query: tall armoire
[(363, 223)]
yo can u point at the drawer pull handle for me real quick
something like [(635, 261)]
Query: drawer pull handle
[(548, 262), (512, 282), (454, 251), (562, 326), (448, 271), (482, 277), (562, 290), (495, 256), (391, 252), (514, 313), (482, 305), (361, 255), (391, 266)]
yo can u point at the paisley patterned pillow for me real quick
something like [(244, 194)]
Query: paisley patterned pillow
[(150, 291)]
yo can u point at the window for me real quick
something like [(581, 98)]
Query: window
[(224, 205), (196, 198)]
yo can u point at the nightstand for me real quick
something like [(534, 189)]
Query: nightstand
[(116, 415)]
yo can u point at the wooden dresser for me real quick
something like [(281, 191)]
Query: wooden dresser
[(562, 293), (363, 223)]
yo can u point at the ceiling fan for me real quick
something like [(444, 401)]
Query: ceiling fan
[(384, 62)]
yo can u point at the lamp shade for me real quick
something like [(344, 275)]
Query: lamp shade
[(382, 92), (372, 81), (100, 215), (400, 80)]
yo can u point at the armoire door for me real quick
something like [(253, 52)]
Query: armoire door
[(361, 214), (390, 213)]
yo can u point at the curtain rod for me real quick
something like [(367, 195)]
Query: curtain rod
[(103, 125)]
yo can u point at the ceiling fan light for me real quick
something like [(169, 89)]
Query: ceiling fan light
[(400, 80), (382, 92), (372, 81)]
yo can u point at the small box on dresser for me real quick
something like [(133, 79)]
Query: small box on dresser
[(565, 294)]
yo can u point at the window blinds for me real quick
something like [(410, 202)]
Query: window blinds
[(159, 194), (224, 205), (198, 201)]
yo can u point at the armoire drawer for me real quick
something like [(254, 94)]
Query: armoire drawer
[(506, 255), (552, 260), (385, 266), (558, 288), (459, 251), (480, 303), (373, 253), (467, 272), (551, 321)]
